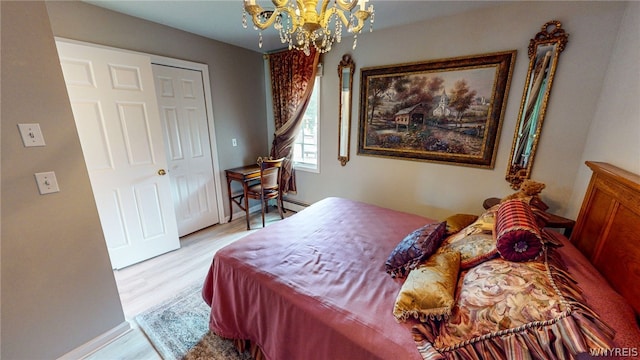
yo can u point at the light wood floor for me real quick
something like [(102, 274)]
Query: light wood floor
[(150, 283)]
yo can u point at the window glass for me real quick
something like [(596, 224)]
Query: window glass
[(306, 147)]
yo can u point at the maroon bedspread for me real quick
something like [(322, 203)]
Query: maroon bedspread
[(305, 290), (313, 286)]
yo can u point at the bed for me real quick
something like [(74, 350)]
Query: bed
[(317, 285)]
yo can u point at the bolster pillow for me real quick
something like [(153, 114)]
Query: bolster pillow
[(517, 233)]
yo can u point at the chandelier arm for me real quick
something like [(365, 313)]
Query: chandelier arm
[(301, 8), (323, 8), (326, 16), (263, 24), (256, 12), (279, 3), (347, 4), (362, 16), (252, 8)]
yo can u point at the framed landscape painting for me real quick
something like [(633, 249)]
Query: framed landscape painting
[(447, 110)]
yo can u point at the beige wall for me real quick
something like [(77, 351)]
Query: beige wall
[(437, 190), (236, 75), (58, 289), (614, 134)]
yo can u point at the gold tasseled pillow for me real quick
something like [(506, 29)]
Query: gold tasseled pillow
[(428, 292), (458, 222)]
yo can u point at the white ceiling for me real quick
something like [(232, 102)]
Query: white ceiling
[(222, 19)]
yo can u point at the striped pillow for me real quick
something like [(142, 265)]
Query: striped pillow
[(517, 233)]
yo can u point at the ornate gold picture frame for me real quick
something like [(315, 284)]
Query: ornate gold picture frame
[(447, 110), (544, 52)]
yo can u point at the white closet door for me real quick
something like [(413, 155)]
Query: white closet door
[(114, 104), (183, 112)]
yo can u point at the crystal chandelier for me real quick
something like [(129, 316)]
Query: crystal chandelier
[(301, 26)]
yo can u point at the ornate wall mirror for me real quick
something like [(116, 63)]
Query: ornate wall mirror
[(544, 51), (345, 74)]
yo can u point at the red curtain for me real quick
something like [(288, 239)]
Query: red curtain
[(292, 77)]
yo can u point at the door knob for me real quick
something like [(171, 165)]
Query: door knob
[(162, 172)]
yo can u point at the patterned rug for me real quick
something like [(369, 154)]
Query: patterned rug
[(179, 329)]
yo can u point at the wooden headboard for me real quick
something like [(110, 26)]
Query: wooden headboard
[(607, 230)]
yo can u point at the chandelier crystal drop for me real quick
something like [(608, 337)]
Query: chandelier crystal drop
[(301, 26)]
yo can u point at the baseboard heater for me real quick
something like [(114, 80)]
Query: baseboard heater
[(293, 205)]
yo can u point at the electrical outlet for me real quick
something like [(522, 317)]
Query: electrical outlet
[(47, 182)]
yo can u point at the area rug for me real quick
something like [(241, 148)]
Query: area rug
[(179, 329)]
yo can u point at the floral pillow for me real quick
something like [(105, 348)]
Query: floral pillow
[(483, 224), (474, 249), (485, 221), (514, 310), (415, 248)]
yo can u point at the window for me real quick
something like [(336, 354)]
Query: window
[(306, 146)]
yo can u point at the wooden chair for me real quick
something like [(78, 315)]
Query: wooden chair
[(269, 185)]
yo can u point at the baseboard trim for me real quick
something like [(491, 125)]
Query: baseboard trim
[(289, 204), (97, 343), (294, 205)]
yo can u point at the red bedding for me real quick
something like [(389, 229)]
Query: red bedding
[(303, 290), (314, 286)]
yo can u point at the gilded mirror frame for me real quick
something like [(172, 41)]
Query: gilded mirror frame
[(544, 51), (345, 75)]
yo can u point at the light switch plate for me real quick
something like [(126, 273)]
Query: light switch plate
[(47, 182), (31, 135)]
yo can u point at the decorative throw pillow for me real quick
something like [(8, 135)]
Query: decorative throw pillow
[(517, 234), (474, 249), (509, 310), (458, 222), (485, 221), (483, 224), (415, 248), (428, 292)]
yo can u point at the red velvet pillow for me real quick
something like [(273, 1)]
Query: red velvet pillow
[(415, 248), (517, 233)]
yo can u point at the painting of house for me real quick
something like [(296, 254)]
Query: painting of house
[(416, 114)]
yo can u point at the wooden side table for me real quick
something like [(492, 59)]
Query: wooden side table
[(244, 175), (553, 220)]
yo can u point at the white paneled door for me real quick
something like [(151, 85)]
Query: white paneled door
[(114, 104), (181, 101)]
